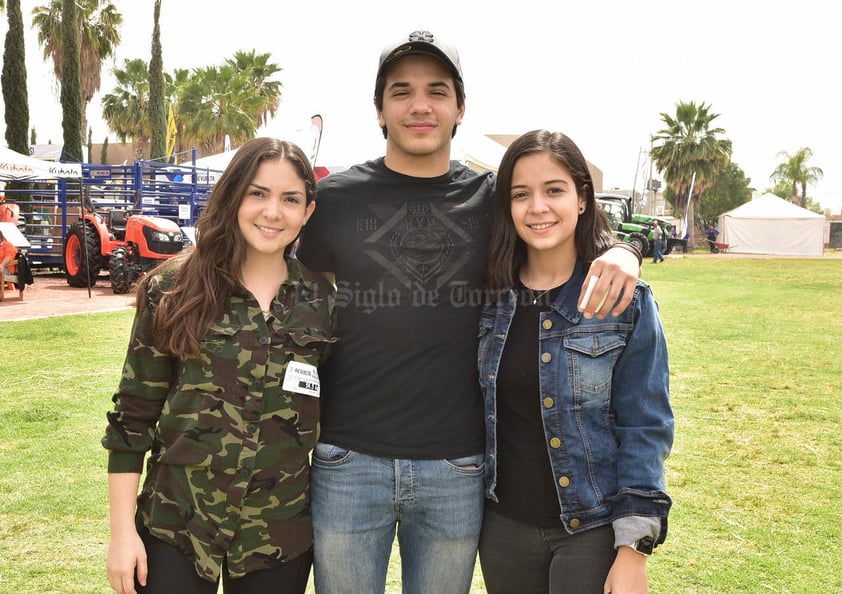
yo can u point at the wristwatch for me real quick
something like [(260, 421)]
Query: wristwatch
[(644, 545)]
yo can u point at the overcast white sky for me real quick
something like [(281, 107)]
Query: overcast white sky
[(601, 71)]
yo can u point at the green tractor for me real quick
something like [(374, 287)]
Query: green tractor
[(630, 227)]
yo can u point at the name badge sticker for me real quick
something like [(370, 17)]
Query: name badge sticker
[(302, 378)]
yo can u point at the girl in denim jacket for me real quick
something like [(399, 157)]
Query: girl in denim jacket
[(578, 419)]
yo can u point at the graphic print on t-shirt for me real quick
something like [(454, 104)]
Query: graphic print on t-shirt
[(420, 246)]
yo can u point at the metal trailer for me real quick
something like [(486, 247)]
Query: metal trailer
[(49, 208)]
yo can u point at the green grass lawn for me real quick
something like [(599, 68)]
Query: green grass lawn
[(756, 383)]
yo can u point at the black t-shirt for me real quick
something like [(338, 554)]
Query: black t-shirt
[(409, 255), (525, 484)]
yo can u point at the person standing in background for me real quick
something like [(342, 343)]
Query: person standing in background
[(657, 242), (712, 234)]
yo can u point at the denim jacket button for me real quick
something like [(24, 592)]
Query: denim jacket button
[(547, 324), (565, 482), (555, 443), (574, 523), (548, 402), (546, 357)]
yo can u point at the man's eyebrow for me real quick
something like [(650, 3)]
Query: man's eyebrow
[(402, 84)]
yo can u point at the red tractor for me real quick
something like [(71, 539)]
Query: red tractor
[(126, 242)]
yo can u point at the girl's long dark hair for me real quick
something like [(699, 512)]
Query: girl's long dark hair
[(508, 251), (208, 274)]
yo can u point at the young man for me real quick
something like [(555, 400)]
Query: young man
[(405, 238)]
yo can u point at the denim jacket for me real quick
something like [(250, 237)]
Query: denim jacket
[(605, 407)]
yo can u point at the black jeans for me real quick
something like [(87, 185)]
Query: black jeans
[(524, 559), (170, 572)]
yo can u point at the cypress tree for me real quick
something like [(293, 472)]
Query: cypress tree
[(157, 107), (13, 80), (71, 84)]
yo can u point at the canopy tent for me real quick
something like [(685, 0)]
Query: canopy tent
[(772, 225), (15, 166), (479, 152), (208, 169)]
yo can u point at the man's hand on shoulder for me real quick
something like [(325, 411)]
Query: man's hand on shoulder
[(615, 271)]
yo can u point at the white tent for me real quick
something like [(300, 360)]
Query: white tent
[(15, 166), (478, 152), (772, 225), (208, 169)]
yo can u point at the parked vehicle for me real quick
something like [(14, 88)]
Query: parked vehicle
[(126, 243), (123, 219), (629, 226)]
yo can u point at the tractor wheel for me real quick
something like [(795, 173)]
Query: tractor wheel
[(82, 260), (639, 240), (120, 271)]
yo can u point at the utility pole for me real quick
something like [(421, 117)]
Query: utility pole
[(634, 183), (651, 180)]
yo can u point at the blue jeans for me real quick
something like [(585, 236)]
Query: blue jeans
[(360, 501), (657, 250)]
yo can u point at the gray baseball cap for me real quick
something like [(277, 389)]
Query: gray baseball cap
[(421, 42)]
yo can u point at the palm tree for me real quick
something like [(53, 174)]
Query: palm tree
[(99, 35), (794, 171), (208, 103), (258, 70), (689, 153), (125, 108), (217, 101)]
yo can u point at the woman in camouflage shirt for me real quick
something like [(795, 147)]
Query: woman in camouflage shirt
[(220, 387)]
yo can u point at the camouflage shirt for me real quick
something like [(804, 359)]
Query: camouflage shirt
[(228, 440)]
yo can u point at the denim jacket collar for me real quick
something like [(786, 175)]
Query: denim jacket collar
[(566, 304)]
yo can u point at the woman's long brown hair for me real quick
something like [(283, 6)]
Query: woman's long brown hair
[(207, 274)]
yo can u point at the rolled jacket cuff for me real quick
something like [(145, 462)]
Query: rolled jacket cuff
[(630, 529), (125, 462)]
